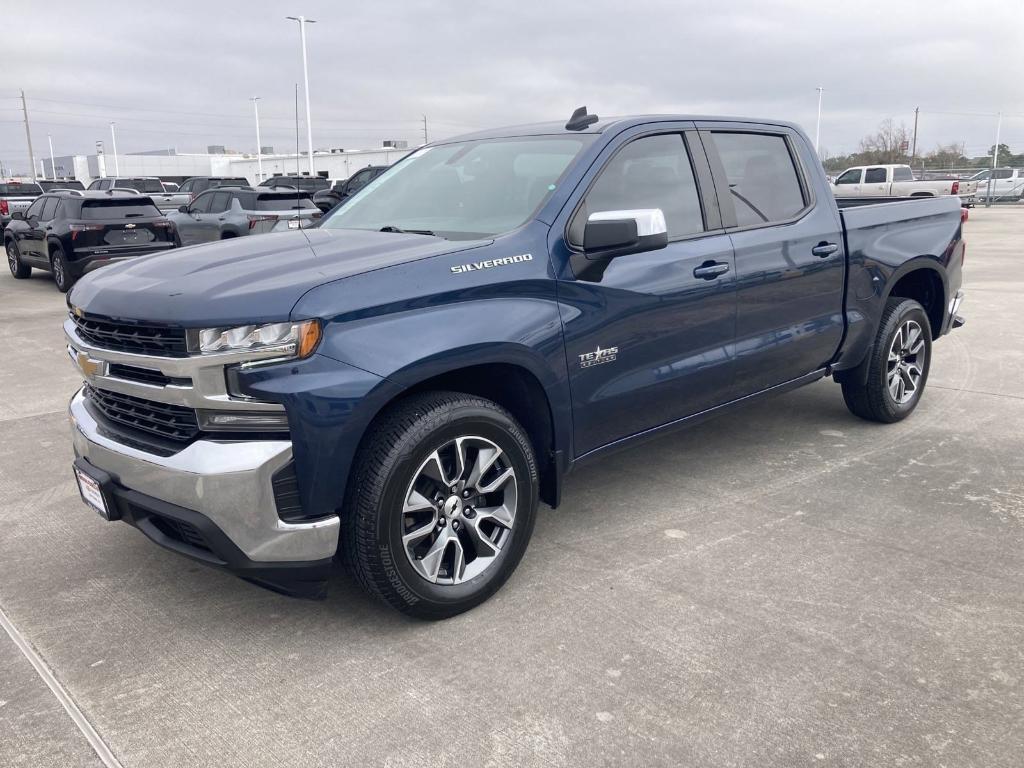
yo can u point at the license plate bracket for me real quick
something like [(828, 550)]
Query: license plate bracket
[(92, 487)]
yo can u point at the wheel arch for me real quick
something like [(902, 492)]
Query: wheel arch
[(923, 282), (517, 388)]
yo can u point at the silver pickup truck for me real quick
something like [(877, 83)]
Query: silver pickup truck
[(898, 181), (16, 196), (150, 186)]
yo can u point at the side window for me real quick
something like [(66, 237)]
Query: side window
[(202, 203), (1003, 173), (49, 208), (35, 209), (874, 176), (762, 178), (186, 186), (902, 173), (652, 172), (95, 184), (851, 176), (359, 180), (221, 201)]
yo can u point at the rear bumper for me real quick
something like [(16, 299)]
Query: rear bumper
[(222, 488), (82, 263)]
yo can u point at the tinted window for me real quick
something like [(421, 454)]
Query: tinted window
[(763, 181), (71, 184), (142, 185), (220, 203), (874, 176), (186, 186), (902, 173), (34, 209), (14, 189), (49, 208), (851, 176), (119, 208), (202, 203), (1003, 173), (284, 202), (359, 180), (652, 172), (237, 181)]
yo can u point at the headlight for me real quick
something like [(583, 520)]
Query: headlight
[(287, 339)]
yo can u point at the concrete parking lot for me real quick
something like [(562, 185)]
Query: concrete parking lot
[(784, 586)]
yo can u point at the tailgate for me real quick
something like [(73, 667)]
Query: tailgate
[(18, 203), (101, 237)]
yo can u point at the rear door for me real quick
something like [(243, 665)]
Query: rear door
[(790, 263), (876, 182), (648, 339), (219, 206)]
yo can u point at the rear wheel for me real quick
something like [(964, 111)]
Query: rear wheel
[(59, 267), (441, 504), (898, 365), (18, 269)]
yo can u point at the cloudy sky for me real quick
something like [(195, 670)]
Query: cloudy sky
[(179, 74)]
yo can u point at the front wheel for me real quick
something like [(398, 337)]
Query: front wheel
[(898, 365), (18, 269), (441, 504)]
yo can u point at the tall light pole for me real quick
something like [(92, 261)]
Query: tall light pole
[(817, 129), (28, 136), (995, 161), (302, 22), (53, 168), (259, 145), (113, 141)]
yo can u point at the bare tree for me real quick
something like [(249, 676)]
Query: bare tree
[(947, 156), (889, 144)]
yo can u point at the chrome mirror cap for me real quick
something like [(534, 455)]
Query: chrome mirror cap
[(649, 221)]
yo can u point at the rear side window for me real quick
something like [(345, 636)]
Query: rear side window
[(221, 201), (284, 202), (902, 173), (1003, 173), (118, 208), (652, 172), (49, 208), (874, 176), (763, 180), (141, 185), (20, 190)]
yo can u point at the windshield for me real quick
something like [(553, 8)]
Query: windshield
[(48, 185), (463, 191), (141, 185)]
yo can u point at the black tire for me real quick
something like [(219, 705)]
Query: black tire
[(389, 459), (19, 269), (873, 399), (62, 276)]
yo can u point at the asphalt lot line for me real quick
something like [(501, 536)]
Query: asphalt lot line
[(99, 746)]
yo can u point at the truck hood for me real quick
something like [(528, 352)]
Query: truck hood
[(246, 279)]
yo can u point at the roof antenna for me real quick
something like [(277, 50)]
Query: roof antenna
[(580, 119)]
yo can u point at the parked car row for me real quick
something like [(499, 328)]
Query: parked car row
[(898, 181), (69, 233), (61, 227), (1000, 184)]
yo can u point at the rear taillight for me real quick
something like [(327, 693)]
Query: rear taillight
[(963, 215), (253, 220), (163, 224), (955, 189), (76, 228), (317, 215), (4, 208)]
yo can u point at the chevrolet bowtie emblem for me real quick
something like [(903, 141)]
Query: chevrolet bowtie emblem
[(87, 365)]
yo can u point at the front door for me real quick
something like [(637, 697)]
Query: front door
[(790, 263), (648, 340), (848, 183)]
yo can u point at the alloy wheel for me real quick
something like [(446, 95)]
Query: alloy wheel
[(459, 510), (906, 361), (12, 258)]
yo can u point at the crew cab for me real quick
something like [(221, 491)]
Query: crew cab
[(1000, 184), (69, 233), (898, 181), (398, 388), (16, 196)]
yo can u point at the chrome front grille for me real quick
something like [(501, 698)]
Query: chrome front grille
[(171, 422), (132, 337)]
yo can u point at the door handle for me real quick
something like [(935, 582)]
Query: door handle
[(709, 270), (221, 218), (822, 250)]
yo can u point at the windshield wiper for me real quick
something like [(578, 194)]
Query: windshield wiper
[(390, 228)]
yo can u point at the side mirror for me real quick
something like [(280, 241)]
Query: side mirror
[(18, 215), (182, 209), (609, 234)]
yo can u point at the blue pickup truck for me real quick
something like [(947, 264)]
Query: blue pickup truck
[(397, 389)]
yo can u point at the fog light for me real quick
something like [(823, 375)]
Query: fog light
[(242, 421)]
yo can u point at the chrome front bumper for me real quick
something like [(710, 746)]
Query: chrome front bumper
[(228, 482)]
